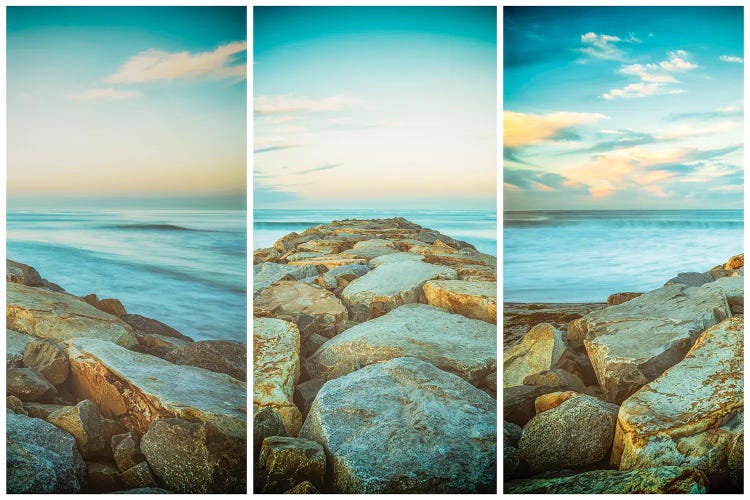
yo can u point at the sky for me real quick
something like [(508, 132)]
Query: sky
[(623, 107), (126, 102), (382, 107)]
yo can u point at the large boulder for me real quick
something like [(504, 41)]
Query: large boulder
[(451, 342), (268, 273), (690, 415), (518, 318), (473, 299), (395, 257), (735, 262), (15, 272), (734, 289), (15, 346), (150, 326), (633, 343), (126, 450), (138, 389), (690, 279), (40, 458), (519, 402), (102, 478), (48, 359), (27, 384), (541, 349), (285, 462), (576, 433), (59, 316), (427, 431), (84, 422), (389, 286), (266, 423), (312, 309), (369, 249), (652, 480), (276, 369), (222, 356)]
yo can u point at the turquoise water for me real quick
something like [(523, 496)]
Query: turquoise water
[(584, 256), (186, 268), (478, 227)]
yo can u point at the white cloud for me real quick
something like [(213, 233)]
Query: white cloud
[(522, 129), (105, 94), (656, 79), (283, 104), (153, 65), (677, 62), (640, 90), (648, 73), (601, 46), (732, 59)]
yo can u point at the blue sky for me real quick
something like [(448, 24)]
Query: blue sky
[(623, 107), (379, 107), (132, 101)]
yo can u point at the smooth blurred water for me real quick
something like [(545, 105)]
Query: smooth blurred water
[(478, 227), (186, 268), (584, 256)]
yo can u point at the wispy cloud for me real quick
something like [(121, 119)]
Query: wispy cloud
[(656, 79), (327, 166), (601, 46), (154, 65), (285, 104), (725, 112), (732, 59), (522, 129), (268, 149), (105, 94)]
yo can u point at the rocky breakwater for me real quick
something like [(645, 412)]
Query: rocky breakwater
[(100, 400), (375, 362), (664, 410)]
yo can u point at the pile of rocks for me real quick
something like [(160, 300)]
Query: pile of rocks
[(375, 362), (99, 400), (642, 396)]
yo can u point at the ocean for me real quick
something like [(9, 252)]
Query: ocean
[(584, 256), (478, 227), (185, 268)]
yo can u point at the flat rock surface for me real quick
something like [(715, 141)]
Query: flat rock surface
[(40, 458), (473, 299), (451, 342), (389, 286), (404, 426), (267, 273), (59, 316), (633, 343), (137, 389), (692, 413), (222, 356), (276, 369), (518, 317)]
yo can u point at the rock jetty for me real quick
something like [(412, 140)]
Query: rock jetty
[(375, 364), (102, 401), (663, 412)]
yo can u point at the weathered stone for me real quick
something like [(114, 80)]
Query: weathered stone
[(519, 318), (137, 389), (476, 272), (48, 359), (691, 414), (653, 480), (633, 343), (735, 262), (178, 454), (40, 458), (328, 262), (304, 394), (157, 345), (266, 274), (84, 422), (138, 476), (443, 428), (286, 461), (42, 410), (222, 356), (473, 299), (690, 279), (276, 369), (736, 462), (734, 290), (518, 402), (15, 404), (15, 345), (126, 450), (336, 276), (58, 316), (294, 256), (286, 300), (556, 378), (389, 286), (27, 384), (444, 257), (266, 423), (312, 344), (540, 350), (153, 327), (513, 466), (552, 400), (622, 297), (102, 478), (451, 342), (326, 246), (511, 433), (52, 287), (15, 272), (576, 433), (109, 306), (395, 257), (370, 249), (305, 487)]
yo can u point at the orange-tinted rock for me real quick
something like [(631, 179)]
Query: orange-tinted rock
[(621, 297), (552, 400), (735, 262), (473, 299)]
